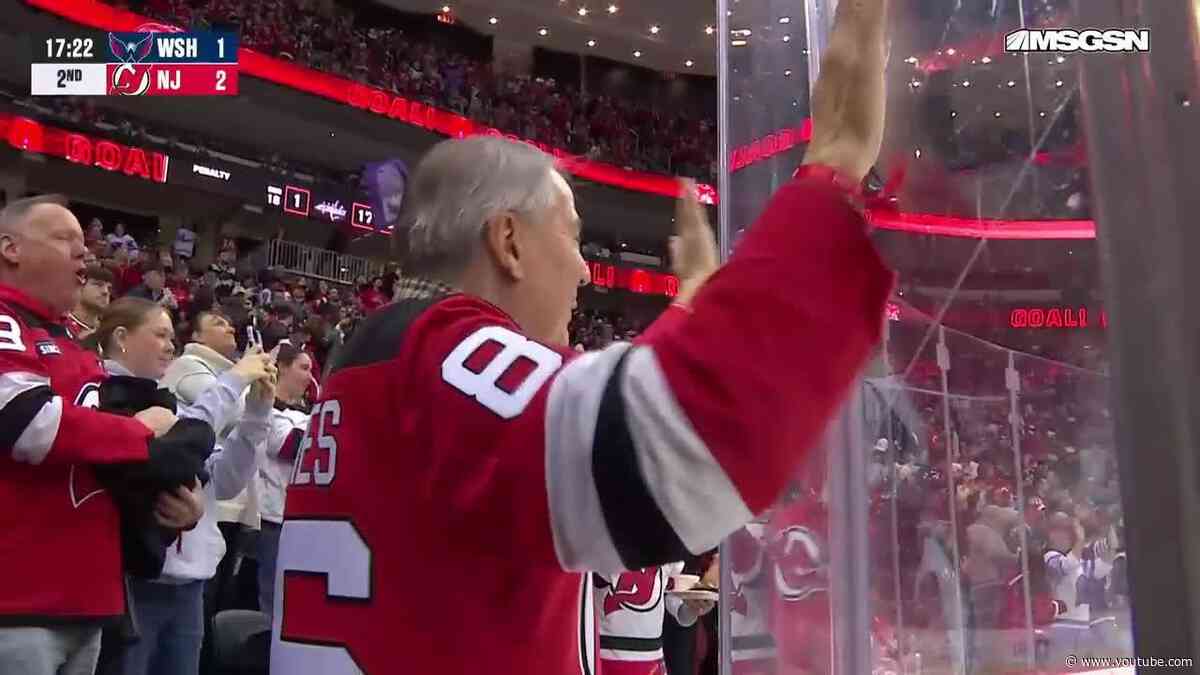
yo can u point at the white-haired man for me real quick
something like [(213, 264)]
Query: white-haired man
[(465, 467)]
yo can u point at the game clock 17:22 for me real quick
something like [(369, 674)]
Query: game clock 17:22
[(73, 48)]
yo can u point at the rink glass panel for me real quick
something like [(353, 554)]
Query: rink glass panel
[(988, 472)]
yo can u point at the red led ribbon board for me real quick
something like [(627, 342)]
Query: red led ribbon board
[(29, 136), (105, 17), (1057, 318), (635, 280)]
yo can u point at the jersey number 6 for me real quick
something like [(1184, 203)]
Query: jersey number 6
[(333, 548)]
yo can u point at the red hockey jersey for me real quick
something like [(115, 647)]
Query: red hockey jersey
[(458, 477), (52, 511), (798, 533)]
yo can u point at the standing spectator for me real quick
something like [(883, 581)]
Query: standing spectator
[(298, 299), (288, 424), (153, 287), (179, 285), (988, 566), (95, 232), (208, 355), (185, 242), (210, 350), (93, 299), (47, 445), (119, 239), (372, 297), (280, 321), (127, 273)]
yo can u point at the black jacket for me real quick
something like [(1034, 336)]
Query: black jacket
[(177, 458)]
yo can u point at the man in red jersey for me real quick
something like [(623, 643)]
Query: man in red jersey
[(465, 468), (52, 511)]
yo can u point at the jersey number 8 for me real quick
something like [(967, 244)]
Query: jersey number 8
[(483, 386)]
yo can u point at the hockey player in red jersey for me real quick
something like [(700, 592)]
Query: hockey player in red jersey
[(800, 614), (464, 467), (633, 606)]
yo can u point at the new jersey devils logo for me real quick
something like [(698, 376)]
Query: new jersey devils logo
[(131, 52), (82, 484), (639, 591), (799, 563)]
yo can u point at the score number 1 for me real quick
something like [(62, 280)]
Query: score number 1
[(221, 75)]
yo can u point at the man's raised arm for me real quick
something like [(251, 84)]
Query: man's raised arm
[(848, 101)]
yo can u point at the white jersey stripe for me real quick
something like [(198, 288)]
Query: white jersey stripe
[(690, 487), (35, 442), (13, 385), (581, 537), (36, 439)]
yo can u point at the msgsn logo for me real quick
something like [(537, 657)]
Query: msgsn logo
[(1072, 40)]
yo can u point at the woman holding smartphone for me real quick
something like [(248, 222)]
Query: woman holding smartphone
[(289, 422)]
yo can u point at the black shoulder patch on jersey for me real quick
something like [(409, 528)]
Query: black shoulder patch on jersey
[(56, 330), (640, 532), (380, 337)]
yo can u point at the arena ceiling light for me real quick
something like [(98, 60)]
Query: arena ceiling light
[(709, 30), (543, 31), (591, 43), (612, 9), (582, 11), (654, 30), (785, 19), (689, 63), (493, 21), (445, 9), (637, 54)]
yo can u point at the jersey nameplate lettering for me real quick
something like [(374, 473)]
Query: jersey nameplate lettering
[(320, 464)]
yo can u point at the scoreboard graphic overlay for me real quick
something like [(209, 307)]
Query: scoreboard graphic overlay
[(135, 64)]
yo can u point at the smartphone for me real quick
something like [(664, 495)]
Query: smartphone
[(253, 335)]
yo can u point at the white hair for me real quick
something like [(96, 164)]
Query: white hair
[(462, 184)]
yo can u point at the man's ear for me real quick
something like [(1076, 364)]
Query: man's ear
[(502, 242), (9, 249)]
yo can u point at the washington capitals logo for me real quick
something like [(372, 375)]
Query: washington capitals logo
[(131, 49)]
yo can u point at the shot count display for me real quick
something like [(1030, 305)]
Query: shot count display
[(135, 64)]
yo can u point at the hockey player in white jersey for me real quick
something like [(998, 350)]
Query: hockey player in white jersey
[(632, 607)]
